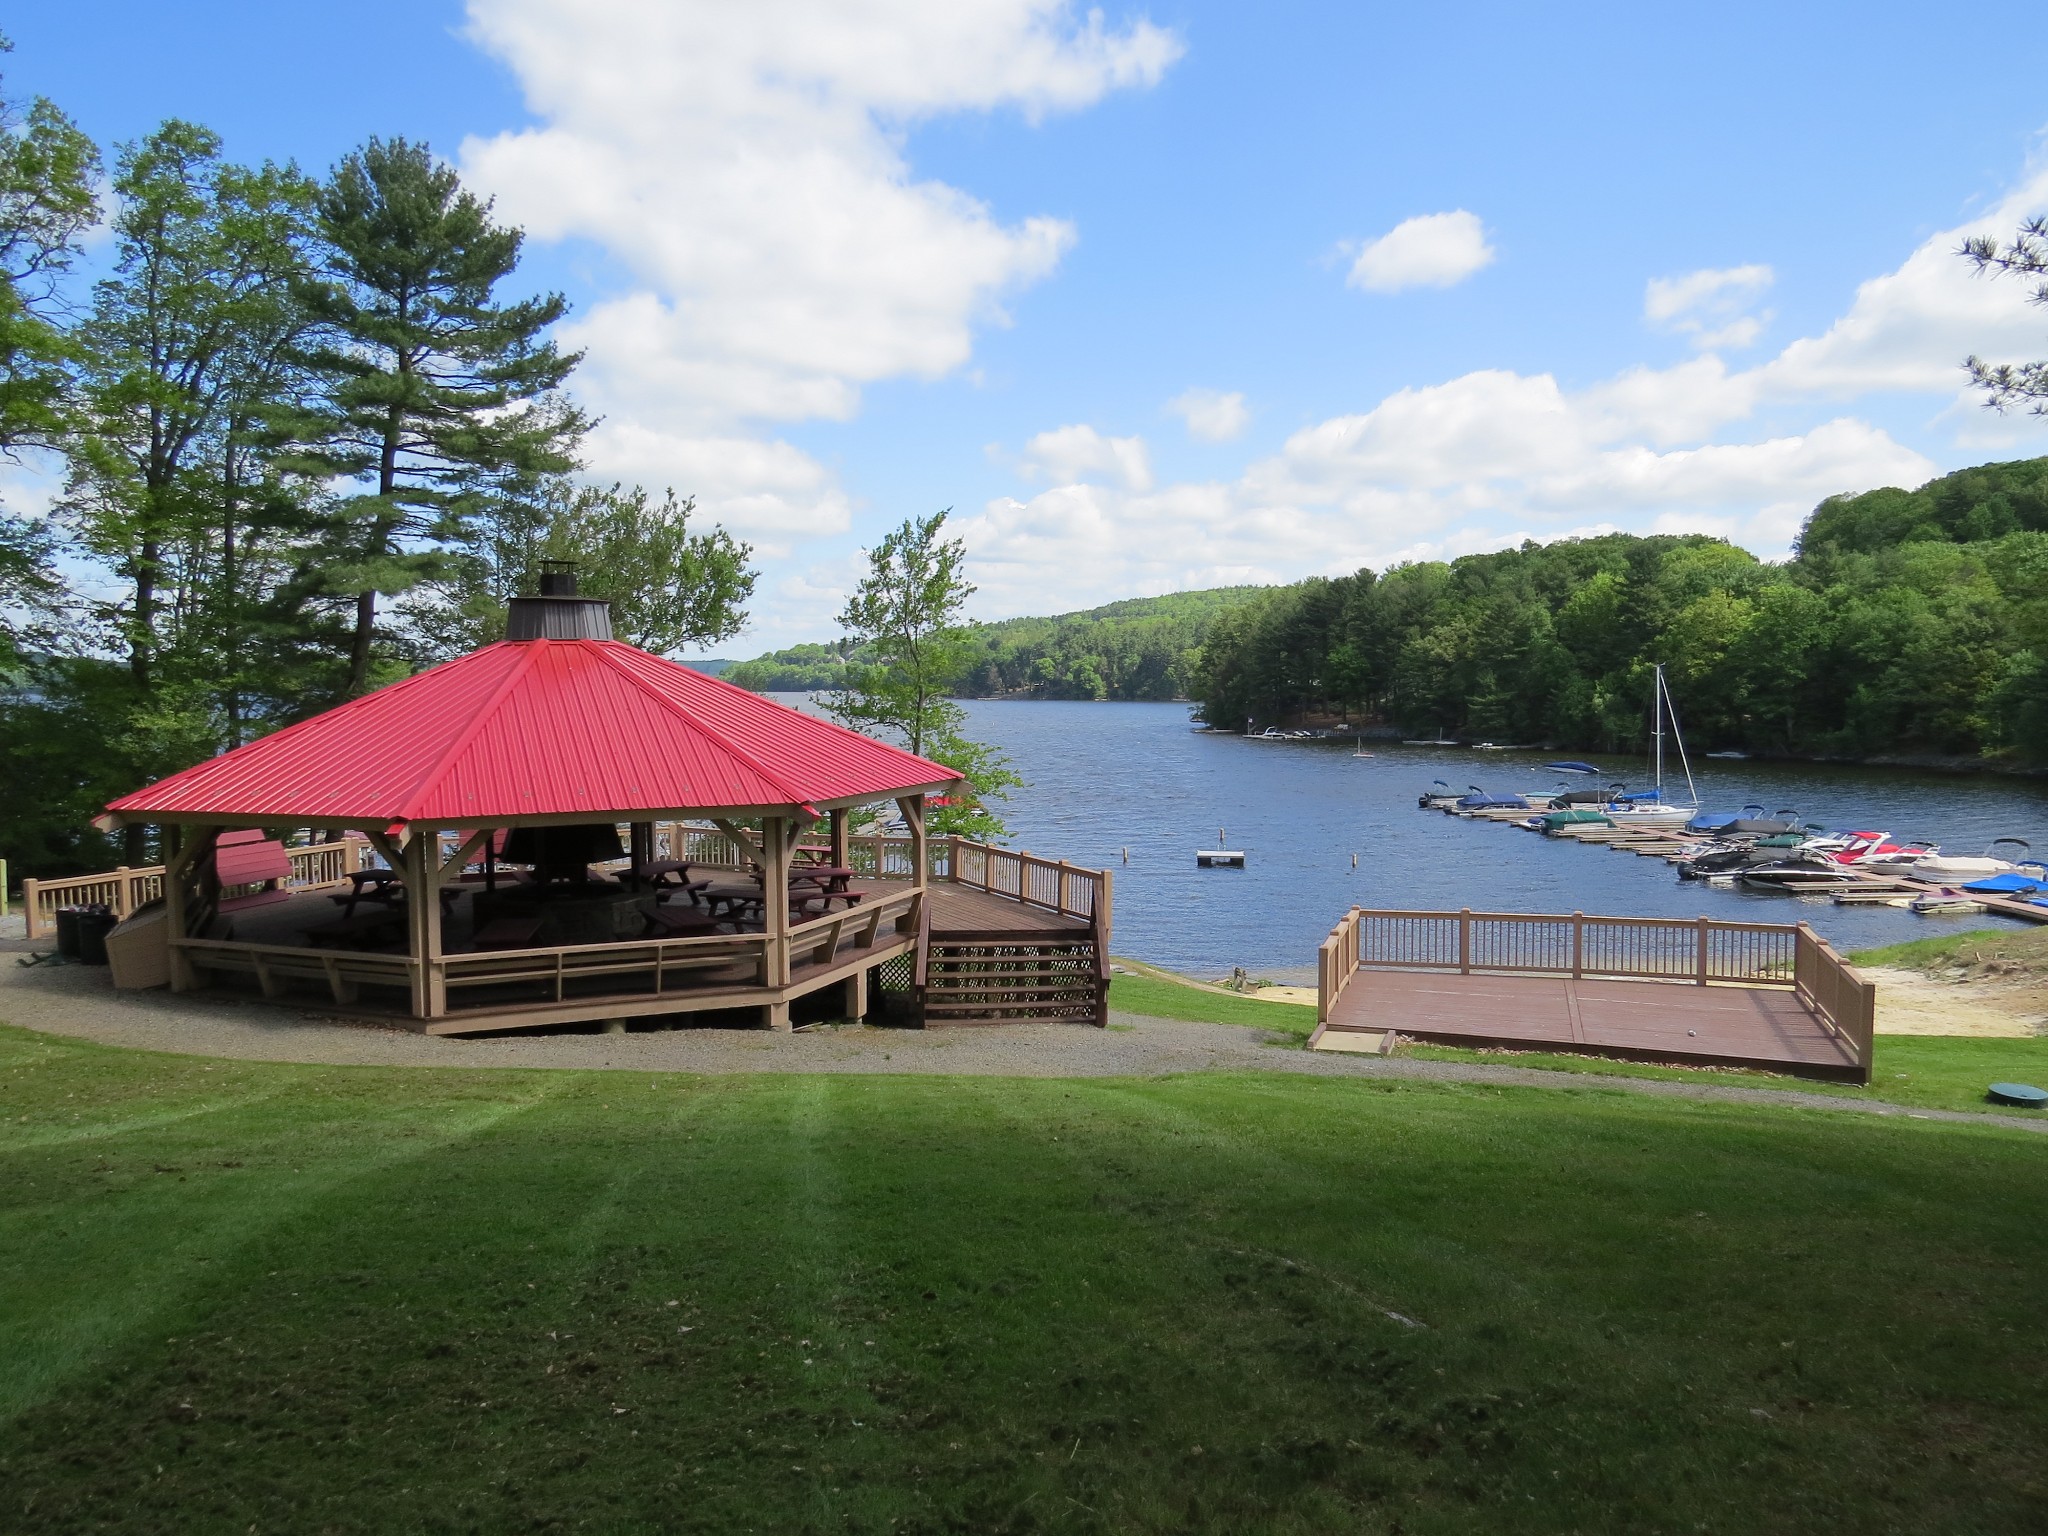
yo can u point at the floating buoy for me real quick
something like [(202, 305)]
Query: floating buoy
[(2025, 1095)]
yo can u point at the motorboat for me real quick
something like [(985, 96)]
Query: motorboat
[(1750, 821), (1438, 797), (2013, 884), (1572, 767), (1942, 867), (1802, 871), (1480, 800), (1587, 798), (1555, 821), (1946, 902)]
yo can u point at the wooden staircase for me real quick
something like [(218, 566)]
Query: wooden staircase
[(1007, 976)]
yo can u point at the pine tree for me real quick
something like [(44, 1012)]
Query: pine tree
[(437, 397)]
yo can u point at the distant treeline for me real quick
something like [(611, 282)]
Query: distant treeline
[(1909, 623), (1144, 648)]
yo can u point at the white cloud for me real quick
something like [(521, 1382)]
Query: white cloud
[(744, 166), (1433, 250), (1714, 306), (1491, 457), (1910, 329), (1067, 455), (1211, 417)]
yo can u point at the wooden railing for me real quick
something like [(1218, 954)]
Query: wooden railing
[(1053, 884), (125, 889), (273, 965), (1836, 995), (660, 961), (1702, 951)]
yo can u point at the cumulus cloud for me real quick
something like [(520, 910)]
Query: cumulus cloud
[(1210, 416), (1433, 250), (1715, 306), (1494, 456), (743, 165), (1067, 455), (1910, 329)]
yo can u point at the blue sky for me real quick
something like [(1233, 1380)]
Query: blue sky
[(837, 264)]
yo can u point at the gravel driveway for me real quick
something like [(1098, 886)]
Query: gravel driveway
[(77, 1001)]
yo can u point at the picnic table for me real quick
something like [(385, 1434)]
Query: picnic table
[(830, 877), (370, 885)]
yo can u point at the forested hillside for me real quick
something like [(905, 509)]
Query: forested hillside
[(1142, 648), (1908, 623)]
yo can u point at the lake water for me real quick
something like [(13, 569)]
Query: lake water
[(1106, 780)]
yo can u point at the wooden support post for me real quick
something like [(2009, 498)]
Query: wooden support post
[(422, 875), (122, 891), (842, 849), (912, 807), (776, 834), (857, 994), (1103, 907), (31, 907), (1578, 945), (1700, 956), (1465, 941)]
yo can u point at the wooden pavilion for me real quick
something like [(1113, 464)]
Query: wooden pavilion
[(539, 749)]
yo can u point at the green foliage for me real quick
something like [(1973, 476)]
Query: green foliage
[(363, 1299), (47, 170), (669, 586), (799, 669), (439, 398), (1141, 648), (256, 341), (1911, 622), (2025, 256), (904, 621)]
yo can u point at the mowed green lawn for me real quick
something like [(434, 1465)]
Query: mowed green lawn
[(239, 1296)]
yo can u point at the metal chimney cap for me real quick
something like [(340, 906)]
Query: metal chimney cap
[(558, 578)]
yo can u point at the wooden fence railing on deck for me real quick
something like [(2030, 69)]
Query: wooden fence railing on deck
[(1702, 951), (126, 889), (1833, 993)]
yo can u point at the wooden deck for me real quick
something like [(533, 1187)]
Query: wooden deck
[(1728, 1026), (958, 911)]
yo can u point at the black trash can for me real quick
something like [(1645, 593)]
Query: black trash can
[(94, 924), (67, 931)]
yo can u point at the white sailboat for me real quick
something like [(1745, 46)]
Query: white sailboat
[(1653, 810)]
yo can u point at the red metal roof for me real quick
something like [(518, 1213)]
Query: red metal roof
[(540, 728)]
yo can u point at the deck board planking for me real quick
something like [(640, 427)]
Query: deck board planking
[(1718, 1025)]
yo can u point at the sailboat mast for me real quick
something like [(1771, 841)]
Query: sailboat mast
[(1657, 727)]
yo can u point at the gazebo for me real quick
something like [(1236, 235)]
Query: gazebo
[(558, 726)]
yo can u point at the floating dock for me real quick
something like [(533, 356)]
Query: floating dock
[(1669, 844)]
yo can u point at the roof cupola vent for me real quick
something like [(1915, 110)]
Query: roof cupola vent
[(558, 613)]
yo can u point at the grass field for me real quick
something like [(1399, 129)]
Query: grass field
[(1920, 1071), (1163, 998), (239, 1296)]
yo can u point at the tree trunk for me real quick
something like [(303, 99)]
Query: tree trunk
[(366, 602)]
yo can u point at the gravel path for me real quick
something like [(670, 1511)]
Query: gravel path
[(77, 1001)]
